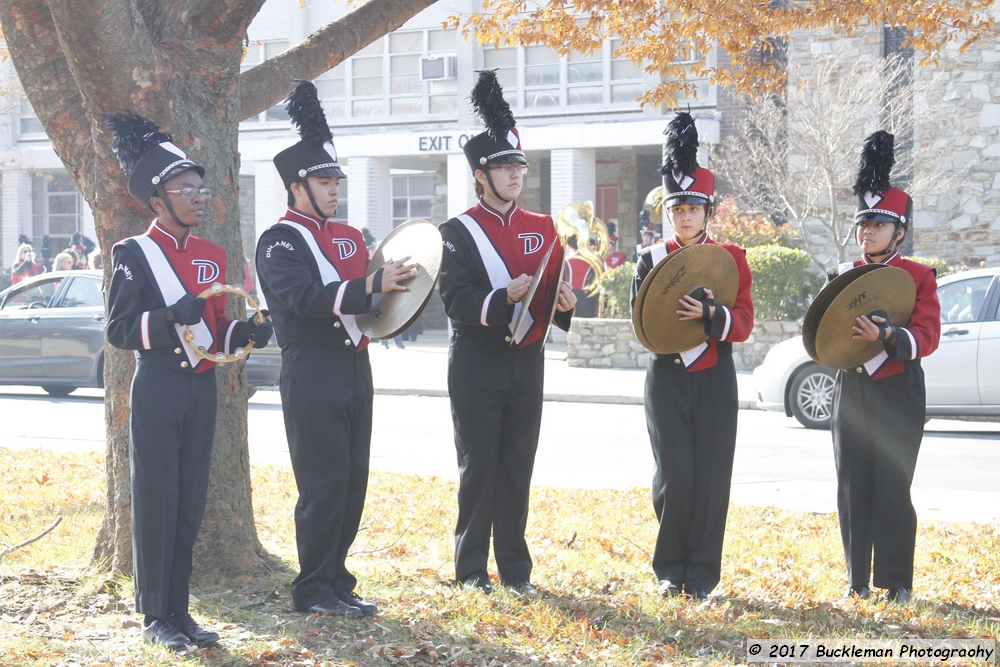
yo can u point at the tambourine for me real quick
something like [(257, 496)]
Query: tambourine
[(241, 353)]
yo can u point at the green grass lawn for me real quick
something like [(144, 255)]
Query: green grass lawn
[(783, 576)]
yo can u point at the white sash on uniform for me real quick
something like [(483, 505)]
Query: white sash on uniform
[(328, 274), (172, 289), (497, 271)]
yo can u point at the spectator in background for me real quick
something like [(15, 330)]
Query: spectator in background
[(95, 260), (63, 262), (25, 265), (46, 253), (614, 257)]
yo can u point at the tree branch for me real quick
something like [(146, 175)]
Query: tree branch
[(225, 18), (10, 550), (267, 84), (102, 38)]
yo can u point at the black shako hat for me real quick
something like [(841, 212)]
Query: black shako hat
[(877, 200), (500, 142), (684, 182), (150, 157), (314, 154)]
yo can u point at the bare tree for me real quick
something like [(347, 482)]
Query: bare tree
[(176, 62), (796, 158)]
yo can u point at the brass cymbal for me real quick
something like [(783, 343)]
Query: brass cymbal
[(392, 313), (640, 299), (683, 272), (889, 292), (554, 296), (536, 280), (810, 324)]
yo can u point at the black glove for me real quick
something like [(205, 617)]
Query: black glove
[(188, 310), (260, 334)]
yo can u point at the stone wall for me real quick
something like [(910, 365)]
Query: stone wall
[(600, 343)]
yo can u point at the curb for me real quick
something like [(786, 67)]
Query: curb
[(552, 398)]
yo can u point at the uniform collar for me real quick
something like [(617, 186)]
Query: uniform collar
[(893, 258), (295, 215), (504, 219), (157, 231), (675, 242)]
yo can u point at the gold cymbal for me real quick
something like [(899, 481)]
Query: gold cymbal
[(554, 296), (810, 324), (683, 272), (392, 313), (536, 280), (888, 291)]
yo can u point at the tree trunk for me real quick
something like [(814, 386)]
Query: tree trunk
[(176, 62)]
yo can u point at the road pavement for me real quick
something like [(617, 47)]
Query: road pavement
[(593, 435)]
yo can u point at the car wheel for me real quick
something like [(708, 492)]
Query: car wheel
[(59, 391), (810, 395)]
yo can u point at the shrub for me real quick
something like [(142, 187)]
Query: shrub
[(728, 225), (942, 266), (616, 285), (783, 287)]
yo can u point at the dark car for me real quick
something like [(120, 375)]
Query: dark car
[(52, 335)]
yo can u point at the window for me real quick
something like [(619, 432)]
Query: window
[(36, 295), (541, 77), (56, 209), (256, 53), (29, 123), (411, 198), (626, 77), (962, 301), (81, 293), (504, 61)]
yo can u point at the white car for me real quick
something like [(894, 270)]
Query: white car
[(962, 376)]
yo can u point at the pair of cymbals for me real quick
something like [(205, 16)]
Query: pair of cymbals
[(551, 294), (869, 289), (392, 313), (685, 271)]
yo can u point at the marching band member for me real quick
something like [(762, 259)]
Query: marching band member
[(878, 411), (691, 398), (173, 401), (312, 273), (495, 374)]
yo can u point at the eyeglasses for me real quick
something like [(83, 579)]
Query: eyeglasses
[(189, 193), (511, 169)]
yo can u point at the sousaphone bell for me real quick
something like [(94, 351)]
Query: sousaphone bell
[(392, 313), (686, 271), (869, 289)]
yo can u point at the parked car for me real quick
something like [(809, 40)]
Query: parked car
[(52, 335), (962, 375)]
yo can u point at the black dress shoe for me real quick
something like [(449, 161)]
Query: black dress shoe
[(189, 627), (352, 599), (858, 593), (669, 589), (335, 607), (480, 582), (163, 631), (697, 594), (897, 595), (523, 589)]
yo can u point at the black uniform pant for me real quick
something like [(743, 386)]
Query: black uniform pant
[(496, 408), (326, 397), (691, 418), (877, 428), (173, 424)]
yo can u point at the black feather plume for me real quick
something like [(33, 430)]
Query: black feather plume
[(22, 239), (681, 146), (303, 106), (134, 135), (877, 158), (490, 106)]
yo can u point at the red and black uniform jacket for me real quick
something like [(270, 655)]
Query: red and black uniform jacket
[(578, 274), (508, 245), (137, 312), (303, 308), (727, 326), (922, 332)]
